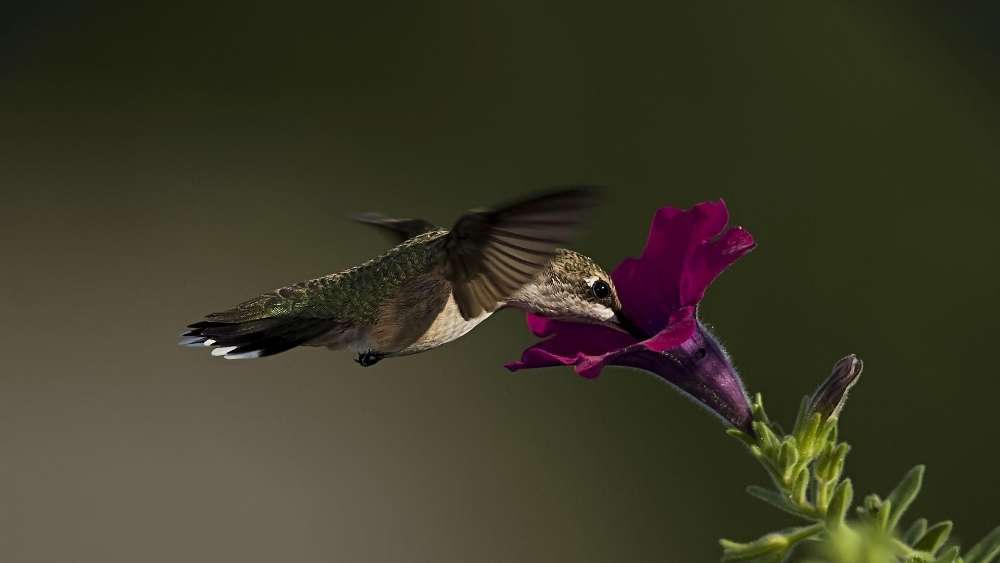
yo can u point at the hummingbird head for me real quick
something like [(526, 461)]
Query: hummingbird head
[(572, 287)]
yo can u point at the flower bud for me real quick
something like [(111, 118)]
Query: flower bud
[(829, 398)]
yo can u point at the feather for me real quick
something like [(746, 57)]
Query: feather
[(493, 253)]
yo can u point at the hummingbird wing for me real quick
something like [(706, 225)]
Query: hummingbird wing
[(493, 253), (399, 229)]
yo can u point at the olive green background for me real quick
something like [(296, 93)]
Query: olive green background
[(162, 160)]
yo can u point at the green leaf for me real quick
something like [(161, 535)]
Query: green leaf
[(768, 441), (823, 491), (741, 436), (777, 500), (736, 551), (869, 508), (824, 463), (904, 493), (788, 457), (949, 555), (872, 503), (935, 537), (830, 463), (802, 416), (840, 458), (770, 547), (882, 516), (832, 437), (828, 429), (800, 487), (843, 495), (807, 437), (758, 409), (986, 550), (790, 440), (915, 531), (778, 429)]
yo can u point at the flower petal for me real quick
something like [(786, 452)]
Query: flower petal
[(660, 291), (541, 326), (681, 325), (706, 264), (573, 344), (588, 348), (701, 369), (683, 255)]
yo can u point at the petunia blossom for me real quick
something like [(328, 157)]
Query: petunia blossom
[(659, 292)]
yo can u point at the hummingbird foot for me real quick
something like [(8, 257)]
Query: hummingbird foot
[(368, 358)]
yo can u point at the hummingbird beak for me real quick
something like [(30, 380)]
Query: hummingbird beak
[(625, 324)]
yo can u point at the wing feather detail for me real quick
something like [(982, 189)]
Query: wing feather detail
[(493, 253)]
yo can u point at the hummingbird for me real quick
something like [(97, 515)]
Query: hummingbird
[(432, 287)]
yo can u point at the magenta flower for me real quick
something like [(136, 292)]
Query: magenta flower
[(660, 292)]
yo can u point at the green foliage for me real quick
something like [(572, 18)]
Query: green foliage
[(985, 551), (806, 469)]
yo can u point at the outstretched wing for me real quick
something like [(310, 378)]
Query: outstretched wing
[(399, 229), (492, 253)]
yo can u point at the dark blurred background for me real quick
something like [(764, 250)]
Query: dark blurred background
[(162, 160)]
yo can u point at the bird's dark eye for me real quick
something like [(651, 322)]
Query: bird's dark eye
[(700, 353), (601, 289)]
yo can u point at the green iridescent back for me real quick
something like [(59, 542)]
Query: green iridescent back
[(353, 295)]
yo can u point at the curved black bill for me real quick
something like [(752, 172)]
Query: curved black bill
[(628, 326)]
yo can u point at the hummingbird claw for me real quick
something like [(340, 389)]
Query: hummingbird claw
[(368, 358)]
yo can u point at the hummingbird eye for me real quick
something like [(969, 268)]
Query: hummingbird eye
[(601, 289)]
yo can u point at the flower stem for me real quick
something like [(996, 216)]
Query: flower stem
[(806, 471)]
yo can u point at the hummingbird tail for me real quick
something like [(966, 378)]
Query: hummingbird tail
[(255, 338)]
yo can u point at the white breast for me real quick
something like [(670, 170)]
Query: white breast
[(447, 326)]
